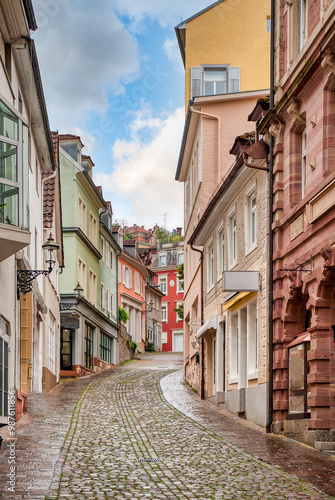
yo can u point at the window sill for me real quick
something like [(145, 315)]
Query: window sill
[(233, 380), (253, 376), (209, 289), (250, 249)]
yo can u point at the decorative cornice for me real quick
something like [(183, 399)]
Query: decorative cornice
[(79, 232)]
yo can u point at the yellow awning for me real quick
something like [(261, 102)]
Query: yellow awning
[(234, 300)]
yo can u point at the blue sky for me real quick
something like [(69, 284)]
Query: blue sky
[(112, 73)]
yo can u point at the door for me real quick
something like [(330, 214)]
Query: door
[(66, 349), (178, 342)]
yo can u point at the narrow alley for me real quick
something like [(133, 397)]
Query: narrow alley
[(137, 431)]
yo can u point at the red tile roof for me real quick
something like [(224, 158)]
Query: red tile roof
[(70, 137)]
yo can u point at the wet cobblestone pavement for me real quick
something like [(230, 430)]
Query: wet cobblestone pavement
[(138, 432)]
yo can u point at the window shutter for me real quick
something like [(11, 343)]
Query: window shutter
[(124, 275), (196, 76), (234, 79)]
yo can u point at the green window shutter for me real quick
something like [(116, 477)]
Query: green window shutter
[(234, 79), (196, 87)]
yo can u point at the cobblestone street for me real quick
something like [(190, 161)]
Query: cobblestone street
[(138, 432)]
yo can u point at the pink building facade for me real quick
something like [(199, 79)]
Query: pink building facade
[(302, 124)]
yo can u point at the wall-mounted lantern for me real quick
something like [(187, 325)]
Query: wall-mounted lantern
[(26, 277)]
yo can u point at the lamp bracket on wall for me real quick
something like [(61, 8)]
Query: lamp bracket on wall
[(25, 280), (298, 267)]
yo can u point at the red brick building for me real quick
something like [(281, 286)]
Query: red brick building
[(164, 263), (302, 124)]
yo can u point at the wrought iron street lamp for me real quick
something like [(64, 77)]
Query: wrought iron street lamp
[(78, 294), (150, 308), (26, 277)]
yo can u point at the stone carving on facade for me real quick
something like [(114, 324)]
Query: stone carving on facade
[(298, 122), (277, 131)]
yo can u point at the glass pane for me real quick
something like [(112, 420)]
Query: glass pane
[(215, 75), (8, 123), (209, 88), (8, 161), (296, 372), (9, 205), (220, 88)]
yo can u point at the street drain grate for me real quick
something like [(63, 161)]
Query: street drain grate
[(149, 460)]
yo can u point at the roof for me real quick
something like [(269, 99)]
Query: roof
[(70, 137), (262, 105), (30, 14), (198, 14), (184, 139), (49, 187), (242, 140), (136, 229), (87, 158)]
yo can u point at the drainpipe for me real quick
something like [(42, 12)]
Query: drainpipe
[(270, 310), (52, 176), (250, 165), (213, 117), (202, 378)]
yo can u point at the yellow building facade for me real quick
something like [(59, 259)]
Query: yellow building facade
[(231, 34)]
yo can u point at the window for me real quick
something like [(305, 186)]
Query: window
[(105, 348), (303, 163), (164, 312), (111, 260), (180, 258), (14, 169), (82, 215), (102, 248), (210, 266), (178, 304), (234, 368), (82, 275), (112, 303), (149, 335), (180, 288), (119, 272), (302, 23), (102, 296), (214, 79), (93, 288), (251, 220), (163, 259), (137, 282), (127, 277), (107, 254), (89, 332), (220, 252), (252, 341), (162, 282), (298, 367), (232, 239), (93, 230), (52, 325)]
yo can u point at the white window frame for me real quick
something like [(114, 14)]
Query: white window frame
[(163, 279), (164, 337), (180, 289), (107, 303), (93, 287), (52, 342), (180, 253), (234, 349), (210, 265), (160, 257), (82, 215), (107, 254), (102, 248), (119, 272), (232, 238), (178, 303), (93, 229), (127, 277), (250, 219), (137, 282), (112, 306), (220, 252), (82, 275), (102, 296), (164, 312), (252, 340), (303, 26), (197, 79)]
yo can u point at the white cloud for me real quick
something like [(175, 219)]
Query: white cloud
[(166, 12), (143, 178), (84, 52), (172, 50)]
